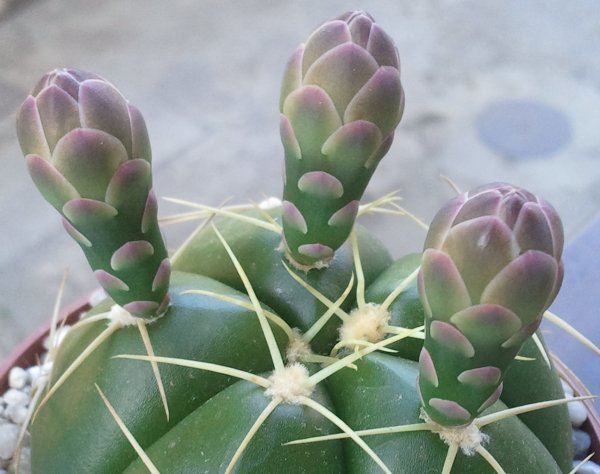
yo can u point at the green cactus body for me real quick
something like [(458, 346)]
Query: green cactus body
[(87, 151), (203, 402), (514, 445), (380, 378), (341, 100), (528, 381), (220, 425), (195, 330), (254, 355), (550, 425), (254, 247)]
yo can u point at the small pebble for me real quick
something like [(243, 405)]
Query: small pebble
[(34, 372), (9, 435), (14, 410), (16, 413), (17, 378), (581, 444), (39, 376), (588, 467), (46, 369), (567, 388), (16, 397), (577, 413)]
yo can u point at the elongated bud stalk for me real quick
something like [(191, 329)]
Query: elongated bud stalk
[(491, 267), (341, 100), (88, 153)]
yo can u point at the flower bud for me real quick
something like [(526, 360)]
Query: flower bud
[(341, 100), (88, 153), (491, 267)]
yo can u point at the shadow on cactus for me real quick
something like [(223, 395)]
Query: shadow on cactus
[(282, 337)]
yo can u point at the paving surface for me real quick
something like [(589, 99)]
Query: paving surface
[(206, 76)]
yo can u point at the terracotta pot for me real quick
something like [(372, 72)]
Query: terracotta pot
[(27, 353)]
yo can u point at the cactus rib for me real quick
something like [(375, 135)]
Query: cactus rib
[(130, 438)]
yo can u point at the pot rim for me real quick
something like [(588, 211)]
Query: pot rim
[(592, 424), (26, 353)]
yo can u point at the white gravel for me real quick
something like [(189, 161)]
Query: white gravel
[(577, 413), (15, 408)]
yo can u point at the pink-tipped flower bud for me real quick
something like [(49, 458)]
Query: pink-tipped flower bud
[(491, 267), (341, 100)]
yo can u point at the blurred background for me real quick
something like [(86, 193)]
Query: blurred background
[(496, 91)]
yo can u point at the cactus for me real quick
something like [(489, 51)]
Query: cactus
[(341, 100), (288, 339), (87, 151), (491, 267)]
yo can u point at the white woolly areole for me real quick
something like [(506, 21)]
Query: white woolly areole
[(468, 438), (368, 323), (298, 349), (121, 317), (290, 383)]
